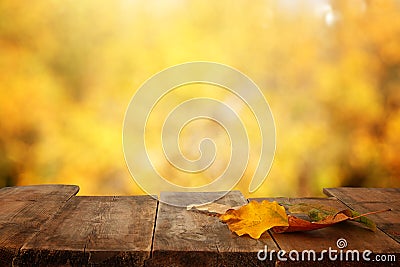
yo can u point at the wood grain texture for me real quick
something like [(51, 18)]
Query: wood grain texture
[(190, 238), (35, 192), (372, 199), (97, 231), (48, 225), (357, 237), (23, 211), (360, 194)]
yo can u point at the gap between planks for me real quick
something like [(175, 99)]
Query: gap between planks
[(154, 229)]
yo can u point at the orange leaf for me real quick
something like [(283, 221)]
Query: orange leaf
[(297, 224)]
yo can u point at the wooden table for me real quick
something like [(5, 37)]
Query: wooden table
[(48, 225)]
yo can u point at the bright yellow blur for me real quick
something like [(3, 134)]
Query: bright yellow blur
[(330, 72)]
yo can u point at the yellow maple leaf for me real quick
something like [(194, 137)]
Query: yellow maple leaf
[(255, 218)]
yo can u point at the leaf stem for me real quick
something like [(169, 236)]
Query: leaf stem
[(369, 213)]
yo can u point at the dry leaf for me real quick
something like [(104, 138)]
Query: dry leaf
[(255, 218), (315, 212), (297, 224), (318, 212), (357, 217), (211, 207)]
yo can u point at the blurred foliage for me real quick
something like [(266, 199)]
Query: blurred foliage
[(329, 69)]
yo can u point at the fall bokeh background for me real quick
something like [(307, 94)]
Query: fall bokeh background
[(330, 71)]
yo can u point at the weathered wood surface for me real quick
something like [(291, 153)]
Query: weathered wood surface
[(190, 238), (23, 210), (356, 235), (372, 199), (95, 231), (49, 226)]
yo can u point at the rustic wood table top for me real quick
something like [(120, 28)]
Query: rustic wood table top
[(47, 225)]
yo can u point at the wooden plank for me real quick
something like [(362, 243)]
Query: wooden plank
[(184, 238), (360, 194), (36, 192), (357, 238), (95, 231), (23, 210), (372, 199)]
